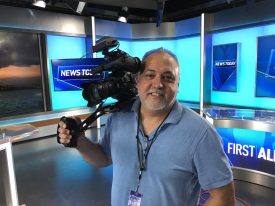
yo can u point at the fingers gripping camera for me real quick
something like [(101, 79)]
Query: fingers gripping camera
[(67, 132)]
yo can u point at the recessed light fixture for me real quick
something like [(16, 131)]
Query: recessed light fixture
[(39, 3), (80, 7), (123, 14)]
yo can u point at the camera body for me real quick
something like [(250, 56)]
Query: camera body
[(120, 71), (118, 81)]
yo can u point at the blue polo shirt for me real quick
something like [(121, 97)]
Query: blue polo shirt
[(186, 156)]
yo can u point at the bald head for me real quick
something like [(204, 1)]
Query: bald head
[(160, 50)]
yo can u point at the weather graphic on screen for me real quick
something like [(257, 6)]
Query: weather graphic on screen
[(265, 78), (225, 67), (20, 74)]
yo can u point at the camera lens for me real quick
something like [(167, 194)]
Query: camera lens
[(96, 92), (120, 88)]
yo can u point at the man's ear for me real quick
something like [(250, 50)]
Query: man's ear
[(137, 79), (137, 76)]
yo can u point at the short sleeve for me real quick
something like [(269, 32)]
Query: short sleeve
[(211, 162), (106, 139)]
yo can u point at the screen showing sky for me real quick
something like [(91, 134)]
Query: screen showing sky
[(20, 74)]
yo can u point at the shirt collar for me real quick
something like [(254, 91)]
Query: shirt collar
[(136, 105), (174, 116)]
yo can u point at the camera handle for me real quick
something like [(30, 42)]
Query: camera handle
[(75, 129)]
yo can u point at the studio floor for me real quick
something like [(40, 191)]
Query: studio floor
[(48, 174)]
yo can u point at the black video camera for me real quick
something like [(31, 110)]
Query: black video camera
[(121, 74), (121, 71)]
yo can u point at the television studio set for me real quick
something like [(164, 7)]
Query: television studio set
[(70, 69)]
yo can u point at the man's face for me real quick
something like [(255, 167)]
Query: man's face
[(158, 84)]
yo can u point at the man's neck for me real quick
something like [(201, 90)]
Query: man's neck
[(150, 120), (153, 115)]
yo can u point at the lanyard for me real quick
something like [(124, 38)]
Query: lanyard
[(143, 155)]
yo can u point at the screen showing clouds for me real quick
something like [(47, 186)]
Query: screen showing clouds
[(20, 74)]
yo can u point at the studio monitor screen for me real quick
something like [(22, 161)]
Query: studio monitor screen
[(20, 74), (265, 73)]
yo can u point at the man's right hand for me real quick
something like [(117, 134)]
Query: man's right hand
[(64, 134), (68, 131), (92, 153)]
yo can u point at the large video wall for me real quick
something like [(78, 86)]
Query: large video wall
[(248, 60), (234, 51), (254, 84), (239, 62)]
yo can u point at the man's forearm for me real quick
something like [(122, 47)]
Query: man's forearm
[(92, 153), (216, 202), (223, 196)]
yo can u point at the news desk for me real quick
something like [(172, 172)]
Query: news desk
[(249, 142)]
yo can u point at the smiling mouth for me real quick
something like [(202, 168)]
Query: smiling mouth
[(157, 94)]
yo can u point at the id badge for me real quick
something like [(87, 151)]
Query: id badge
[(134, 198)]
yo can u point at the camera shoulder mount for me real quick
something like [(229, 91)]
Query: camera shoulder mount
[(76, 130)]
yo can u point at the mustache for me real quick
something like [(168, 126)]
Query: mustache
[(158, 91)]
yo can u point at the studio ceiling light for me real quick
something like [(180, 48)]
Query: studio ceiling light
[(80, 7), (39, 3), (123, 14)]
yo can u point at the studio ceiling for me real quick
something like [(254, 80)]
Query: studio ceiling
[(140, 11)]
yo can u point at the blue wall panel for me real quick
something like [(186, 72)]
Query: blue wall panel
[(65, 47), (187, 50), (246, 83), (188, 53), (140, 47)]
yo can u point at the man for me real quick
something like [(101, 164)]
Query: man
[(162, 153)]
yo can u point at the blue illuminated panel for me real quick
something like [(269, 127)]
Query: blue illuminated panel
[(139, 48), (188, 53), (65, 47), (186, 49), (250, 149), (225, 67), (265, 77)]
